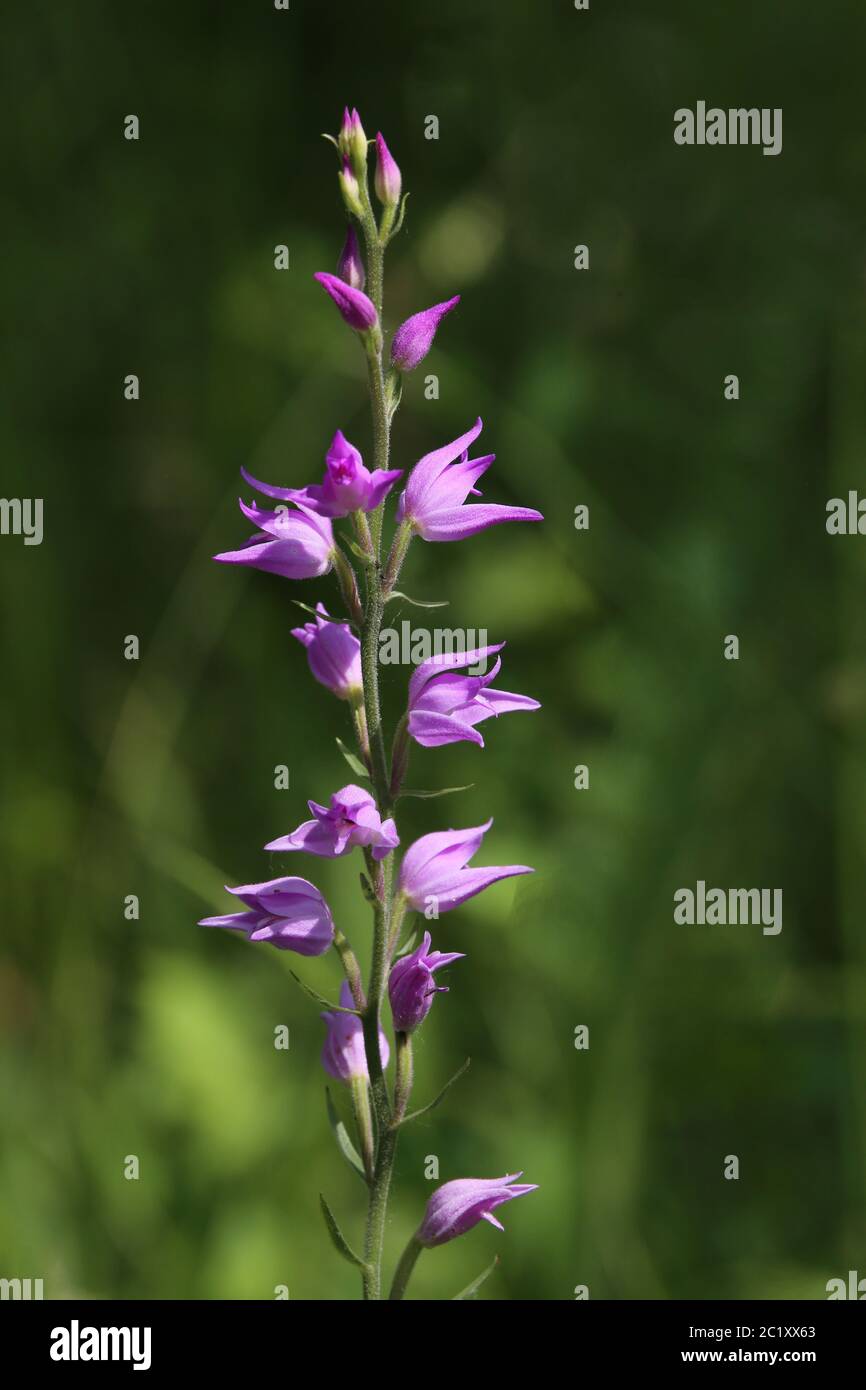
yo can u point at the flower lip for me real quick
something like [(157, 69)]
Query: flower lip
[(351, 820)]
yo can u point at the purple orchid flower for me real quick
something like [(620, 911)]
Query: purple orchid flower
[(334, 654), (343, 1055), (414, 338), (455, 1207), (411, 987), (351, 820), (350, 267), (445, 707), (358, 311), (287, 912), (435, 867), (388, 180), (347, 485), (296, 544), (438, 486)]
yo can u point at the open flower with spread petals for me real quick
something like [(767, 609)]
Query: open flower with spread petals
[(347, 485), (411, 987), (455, 1207), (435, 496), (414, 338), (286, 912), (356, 309), (435, 868), (334, 654), (294, 543), (351, 820), (343, 1055), (445, 707)]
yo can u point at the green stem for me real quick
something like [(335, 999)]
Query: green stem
[(364, 1122), (351, 967), (403, 1077), (370, 672), (377, 1211), (399, 757), (404, 1269), (400, 545), (348, 586), (380, 1184)]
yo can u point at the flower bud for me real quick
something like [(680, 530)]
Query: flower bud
[(414, 338), (350, 266), (352, 142), (388, 180), (411, 986), (350, 188), (357, 310)]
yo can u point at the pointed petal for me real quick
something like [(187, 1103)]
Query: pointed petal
[(456, 523)]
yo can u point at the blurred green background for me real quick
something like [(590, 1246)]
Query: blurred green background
[(155, 1038)]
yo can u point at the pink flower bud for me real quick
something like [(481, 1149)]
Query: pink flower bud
[(388, 180)]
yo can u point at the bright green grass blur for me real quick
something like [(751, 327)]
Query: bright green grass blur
[(155, 1038)]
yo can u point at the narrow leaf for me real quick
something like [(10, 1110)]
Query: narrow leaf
[(442, 791), (324, 617), (340, 1242), (421, 603), (358, 550), (353, 760), (471, 1289), (320, 998), (407, 946), (341, 1134), (425, 1109)]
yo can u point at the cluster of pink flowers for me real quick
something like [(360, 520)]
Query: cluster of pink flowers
[(296, 539)]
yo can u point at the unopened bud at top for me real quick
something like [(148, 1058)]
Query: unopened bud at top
[(350, 266), (352, 142), (388, 180)]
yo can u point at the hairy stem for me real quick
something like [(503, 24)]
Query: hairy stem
[(351, 967), (404, 1074), (405, 1268), (364, 1122)]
